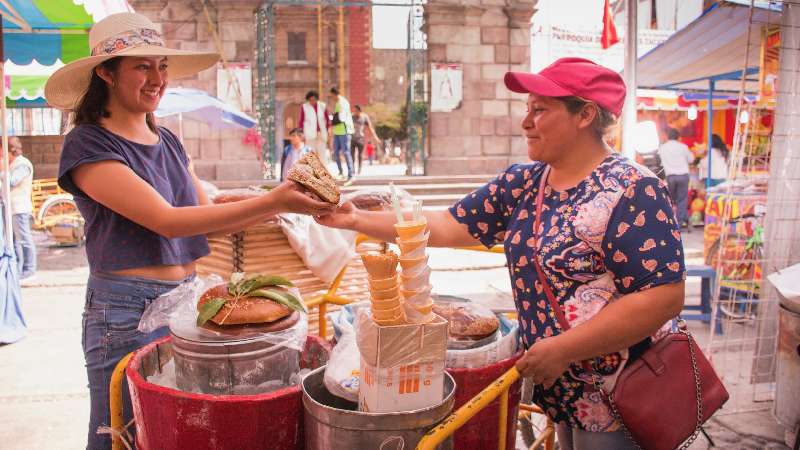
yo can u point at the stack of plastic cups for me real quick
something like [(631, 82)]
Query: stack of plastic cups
[(415, 276), (384, 287)]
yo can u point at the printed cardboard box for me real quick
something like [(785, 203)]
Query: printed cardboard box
[(402, 367)]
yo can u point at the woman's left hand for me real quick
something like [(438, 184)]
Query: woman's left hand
[(544, 362)]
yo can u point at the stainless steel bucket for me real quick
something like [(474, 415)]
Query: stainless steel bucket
[(787, 378), (334, 423), (229, 365)]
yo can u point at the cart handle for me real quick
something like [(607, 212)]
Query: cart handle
[(499, 388), (115, 402)]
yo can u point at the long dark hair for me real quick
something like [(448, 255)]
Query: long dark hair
[(719, 144), (92, 106)]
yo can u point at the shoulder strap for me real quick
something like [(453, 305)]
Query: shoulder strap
[(548, 291)]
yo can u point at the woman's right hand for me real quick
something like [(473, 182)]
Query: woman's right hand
[(343, 217)]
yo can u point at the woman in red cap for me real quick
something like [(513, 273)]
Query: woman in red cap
[(594, 229)]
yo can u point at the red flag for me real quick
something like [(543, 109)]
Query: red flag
[(609, 36)]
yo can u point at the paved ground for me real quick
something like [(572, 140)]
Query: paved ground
[(44, 400)]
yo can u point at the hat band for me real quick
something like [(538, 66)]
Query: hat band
[(128, 39)]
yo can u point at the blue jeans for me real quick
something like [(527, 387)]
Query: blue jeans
[(678, 186), (341, 145), (114, 305), (575, 439), (23, 244)]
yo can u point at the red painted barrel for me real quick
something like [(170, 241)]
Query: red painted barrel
[(481, 431), (171, 419)]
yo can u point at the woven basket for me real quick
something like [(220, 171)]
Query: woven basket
[(265, 249)]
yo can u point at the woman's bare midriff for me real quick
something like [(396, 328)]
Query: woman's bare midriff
[(167, 273)]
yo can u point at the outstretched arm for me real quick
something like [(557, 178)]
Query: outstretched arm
[(445, 231), (135, 199)]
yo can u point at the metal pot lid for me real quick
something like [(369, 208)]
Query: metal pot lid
[(186, 329)]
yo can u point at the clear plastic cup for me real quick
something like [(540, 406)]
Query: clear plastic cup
[(410, 263), (417, 280), (413, 248), (411, 229), (417, 296)]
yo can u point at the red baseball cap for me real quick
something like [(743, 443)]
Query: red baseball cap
[(573, 77)]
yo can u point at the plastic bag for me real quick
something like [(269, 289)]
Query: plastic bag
[(378, 199), (505, 345), (178, 310), (342, 372), (468, 320)]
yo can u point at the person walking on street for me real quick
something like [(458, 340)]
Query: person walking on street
[(21, 181), (147, 216), (363, 132), (315, 123), (342, 130), (676, 157), (293, 152)]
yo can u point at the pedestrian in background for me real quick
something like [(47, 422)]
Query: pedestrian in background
[(675, 158), (293, 152), (315, 123), (719, 162), (21, 181), (362, 133), (342, 131)]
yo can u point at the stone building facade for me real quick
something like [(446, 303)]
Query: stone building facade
[(488, 38), (223, 155)]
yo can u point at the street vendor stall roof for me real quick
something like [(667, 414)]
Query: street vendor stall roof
[(712, 47)]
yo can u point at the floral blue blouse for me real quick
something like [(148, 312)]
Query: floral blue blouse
[(613, 234)]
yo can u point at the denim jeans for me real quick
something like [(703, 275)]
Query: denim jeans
[(114, 305), (575, 439), (341, 145), (678, 186), (23, 244)]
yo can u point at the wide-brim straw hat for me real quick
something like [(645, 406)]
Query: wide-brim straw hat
[(123, 34)]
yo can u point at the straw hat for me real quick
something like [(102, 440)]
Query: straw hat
[(123, 34)]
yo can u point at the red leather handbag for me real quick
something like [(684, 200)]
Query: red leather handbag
[(664, 397)]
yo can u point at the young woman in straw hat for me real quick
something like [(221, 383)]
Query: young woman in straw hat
[(146, 214), (605, 238)]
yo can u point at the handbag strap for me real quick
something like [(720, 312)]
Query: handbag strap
[(548, 291)]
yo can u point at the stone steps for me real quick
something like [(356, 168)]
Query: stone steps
[(435, 192)]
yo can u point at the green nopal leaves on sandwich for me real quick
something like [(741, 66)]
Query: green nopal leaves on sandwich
[(284, 298), (210, 309)]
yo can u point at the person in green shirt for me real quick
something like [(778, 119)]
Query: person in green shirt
[(342, 131)]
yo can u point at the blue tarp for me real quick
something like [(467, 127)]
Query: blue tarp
[(12, 322)]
